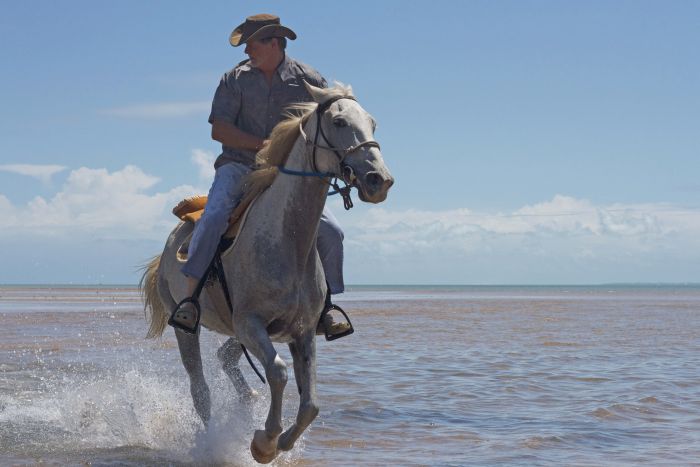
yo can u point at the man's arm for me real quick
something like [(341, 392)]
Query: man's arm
[(229, 135)]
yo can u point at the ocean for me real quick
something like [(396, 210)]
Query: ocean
[(434, 376)]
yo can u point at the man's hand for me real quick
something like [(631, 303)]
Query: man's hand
[(229, 135), (264, 144)]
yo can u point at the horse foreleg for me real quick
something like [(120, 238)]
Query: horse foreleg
[(304, 354), (192, 361), (229, 354), (254, 336)]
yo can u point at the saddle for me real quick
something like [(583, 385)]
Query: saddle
[(191, 209)]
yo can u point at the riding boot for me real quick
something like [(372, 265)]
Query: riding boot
[(327, 326), (186, 315)]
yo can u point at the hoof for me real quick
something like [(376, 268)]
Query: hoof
[(258, 445), (285, 443)]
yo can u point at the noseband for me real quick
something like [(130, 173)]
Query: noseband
[(340, 153)]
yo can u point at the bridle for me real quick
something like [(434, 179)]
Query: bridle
[(347, 174), (341, 153)]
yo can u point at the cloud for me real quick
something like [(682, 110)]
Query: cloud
[(204, 161), (160, 110), (561, 240), (41, 172), (562, 215), (117, 204)]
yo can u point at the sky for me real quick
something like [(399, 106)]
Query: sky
[(532, 141)]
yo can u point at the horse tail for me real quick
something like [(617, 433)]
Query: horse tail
[(153, 306)]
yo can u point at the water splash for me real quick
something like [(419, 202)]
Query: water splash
[(136, 408)]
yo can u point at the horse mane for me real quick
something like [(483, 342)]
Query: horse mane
[(282, 139)]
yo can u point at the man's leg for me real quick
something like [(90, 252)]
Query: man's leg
[(329, 244), (330, 248), (224, 195)]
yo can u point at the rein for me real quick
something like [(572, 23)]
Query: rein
[(340, 153), (344, 191)]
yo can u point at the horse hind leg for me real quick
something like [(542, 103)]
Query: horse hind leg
[(192, 361), (304, 354), (253, 335), (229, 355)]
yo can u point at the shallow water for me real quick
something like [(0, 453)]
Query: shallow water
[(433, 376)]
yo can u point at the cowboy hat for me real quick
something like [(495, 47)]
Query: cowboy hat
[(258, 27)]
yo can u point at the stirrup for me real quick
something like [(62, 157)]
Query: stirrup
[(180, 326), (326, 330)]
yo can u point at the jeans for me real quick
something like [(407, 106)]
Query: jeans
[(225, 193)]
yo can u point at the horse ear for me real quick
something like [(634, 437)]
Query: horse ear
[(317, 94)]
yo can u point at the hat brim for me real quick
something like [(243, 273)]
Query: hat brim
[(271, 30)]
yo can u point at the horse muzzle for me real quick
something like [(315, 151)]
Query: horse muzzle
[(373, 186)]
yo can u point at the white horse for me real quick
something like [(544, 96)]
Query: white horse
[(274, 274)]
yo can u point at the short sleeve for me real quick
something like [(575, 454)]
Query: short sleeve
[(315, 78), (227, 101), (310, 75)]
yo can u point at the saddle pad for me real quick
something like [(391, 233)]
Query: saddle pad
[(190, 209)]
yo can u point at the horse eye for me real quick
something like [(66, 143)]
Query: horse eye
[(340, 122)]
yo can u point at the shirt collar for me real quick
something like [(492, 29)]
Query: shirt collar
[(284, 69)]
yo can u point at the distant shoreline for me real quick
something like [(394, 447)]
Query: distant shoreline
[(403, 286)]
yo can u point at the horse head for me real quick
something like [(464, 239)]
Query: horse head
[(346, 146)]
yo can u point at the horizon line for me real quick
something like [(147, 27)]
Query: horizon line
[(600, 284)]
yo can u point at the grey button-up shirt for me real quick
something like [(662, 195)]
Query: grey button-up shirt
[(245, 100)]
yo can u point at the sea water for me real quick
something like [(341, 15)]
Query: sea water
[(444, 376)]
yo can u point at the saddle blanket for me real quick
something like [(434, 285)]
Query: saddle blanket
[(190, 209)]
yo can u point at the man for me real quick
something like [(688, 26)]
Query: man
[(247, 105)]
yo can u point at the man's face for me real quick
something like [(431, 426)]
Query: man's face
[(263, 54)]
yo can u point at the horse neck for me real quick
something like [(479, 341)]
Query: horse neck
[(298, 200)]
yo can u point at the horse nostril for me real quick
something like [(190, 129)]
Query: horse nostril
[(348, 173), (374, 179)]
